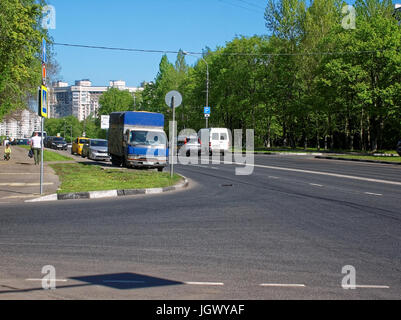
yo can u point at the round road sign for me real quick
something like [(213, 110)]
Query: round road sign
[(177, 98)]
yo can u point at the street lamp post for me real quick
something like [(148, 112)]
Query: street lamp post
[(207, 81)]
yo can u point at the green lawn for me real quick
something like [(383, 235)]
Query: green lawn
[(50, 155), (378, 158), (76, 177)]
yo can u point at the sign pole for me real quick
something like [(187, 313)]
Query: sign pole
[(41, 157), (172, 140)]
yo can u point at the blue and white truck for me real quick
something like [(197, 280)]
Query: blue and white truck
[(137, 139)]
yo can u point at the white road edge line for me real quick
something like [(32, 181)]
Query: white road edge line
[(322, 173), (195, 283), (282, 285), (365, 287)]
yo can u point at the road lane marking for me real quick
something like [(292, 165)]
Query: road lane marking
[(273, 177), (322, 173), (196, 283), (315, 184), (365, 287), (282, 285), (373, 194), (57, 280)]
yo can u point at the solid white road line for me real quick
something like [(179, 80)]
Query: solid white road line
[(195, 283), (315, 184), (282, 285), (318, 173)]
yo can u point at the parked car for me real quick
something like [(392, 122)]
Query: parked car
[(40, 134), (399, 147), (47, 141), (22, 142), (58, 143), (214, 140), (96, 149), (189, 145), (78, 144)]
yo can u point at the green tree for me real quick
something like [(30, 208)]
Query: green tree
[(114, 100), (20, 47)]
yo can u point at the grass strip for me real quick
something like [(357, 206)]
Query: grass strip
[(80, 177), (50, 155), (375, 158)]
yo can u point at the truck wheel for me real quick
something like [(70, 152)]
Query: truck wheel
[(116, 162), (160, 169)]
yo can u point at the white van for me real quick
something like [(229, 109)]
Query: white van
[(217, 140)]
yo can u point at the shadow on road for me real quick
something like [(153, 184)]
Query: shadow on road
[(118, 281)]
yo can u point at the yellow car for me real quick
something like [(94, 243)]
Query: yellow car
[(78, 144)]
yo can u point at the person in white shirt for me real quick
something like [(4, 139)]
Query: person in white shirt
[(6, 142), (36, 146)]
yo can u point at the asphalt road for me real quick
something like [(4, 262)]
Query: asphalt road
[(284, 232)]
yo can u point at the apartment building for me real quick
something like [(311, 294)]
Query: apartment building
[(20, 124), (81, 99)]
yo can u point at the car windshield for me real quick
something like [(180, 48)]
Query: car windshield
[(147, 138), (98, 143), (83, 141), (58, 140)]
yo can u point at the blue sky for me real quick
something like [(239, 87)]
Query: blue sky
[(190, 25)]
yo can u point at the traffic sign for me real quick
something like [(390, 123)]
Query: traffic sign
[(44, 53), (206, 110), (207, 115), (104, 122), (43, 102), (177, 98)]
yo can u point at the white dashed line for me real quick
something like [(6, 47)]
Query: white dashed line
[(316, 185), (282, 285), (204, 283), (365, 287), (56, 280), (373, 194)]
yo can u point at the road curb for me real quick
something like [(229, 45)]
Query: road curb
[(358, 160), (110, 193)]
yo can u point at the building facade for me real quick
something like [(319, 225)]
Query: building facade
[(82, 99), (20, 124)]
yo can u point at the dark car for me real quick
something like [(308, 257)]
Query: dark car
[(23, 142), (47, 141), (399, 147), (58, 143)]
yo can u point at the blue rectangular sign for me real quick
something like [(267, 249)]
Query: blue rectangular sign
[(44, 54), (206, 110)]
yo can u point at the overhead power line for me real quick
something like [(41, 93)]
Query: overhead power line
[(223, 53)]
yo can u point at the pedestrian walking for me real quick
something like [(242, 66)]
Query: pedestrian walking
[(36, 146)]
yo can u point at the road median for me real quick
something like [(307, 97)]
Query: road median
[(89, 181)]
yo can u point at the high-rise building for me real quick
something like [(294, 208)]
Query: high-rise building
[(20, 124), (82, 99)]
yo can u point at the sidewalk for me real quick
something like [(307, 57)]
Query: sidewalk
[(20, 178)]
